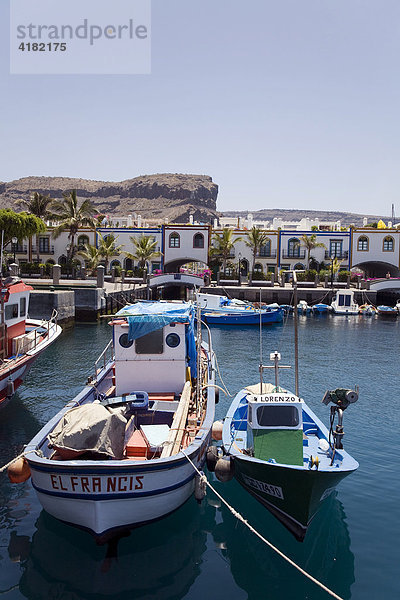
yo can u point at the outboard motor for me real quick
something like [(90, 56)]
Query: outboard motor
[(341, 399)]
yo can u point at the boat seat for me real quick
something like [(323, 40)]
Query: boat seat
[(169, 397)]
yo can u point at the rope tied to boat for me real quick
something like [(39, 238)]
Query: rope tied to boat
[(236, 514), (22, 455)]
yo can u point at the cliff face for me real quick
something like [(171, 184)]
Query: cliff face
[(172, 196)]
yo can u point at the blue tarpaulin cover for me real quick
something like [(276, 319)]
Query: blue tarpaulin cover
[(145, 317)]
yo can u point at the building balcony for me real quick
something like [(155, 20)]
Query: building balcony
[(43, 250), (294, 254), (266, 254), (344, 255), (21, 250)]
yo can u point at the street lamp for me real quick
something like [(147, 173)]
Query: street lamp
[(14, 244), (239, 267), (332, 258), (68, 248)]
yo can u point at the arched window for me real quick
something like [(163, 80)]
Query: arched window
[(258, 268), (298, 267), (62, 260), (82, 240), (198, 240), (174, 240), (293, 248), (363, 243), (266, 249), (115, 263), (388, 244)]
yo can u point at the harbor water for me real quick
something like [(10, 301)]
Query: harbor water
[(352, 545)]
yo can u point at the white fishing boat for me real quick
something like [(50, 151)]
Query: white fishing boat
[(344, 304), (21, 339), (221, 310), (115, 456)]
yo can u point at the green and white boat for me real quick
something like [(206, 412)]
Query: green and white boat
[(282, 453)]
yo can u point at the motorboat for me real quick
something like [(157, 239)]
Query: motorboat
[(116, 455), (22, 339), (321, 308), (344, 304), (303, 308), (221, 310), (387, 312), (281, 452), (368, 310)]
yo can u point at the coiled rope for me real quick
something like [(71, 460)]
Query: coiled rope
[(262, 538)]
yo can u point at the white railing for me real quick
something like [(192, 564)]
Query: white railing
[(103, 360)]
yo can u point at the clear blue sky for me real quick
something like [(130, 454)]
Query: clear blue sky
[(285, 103)]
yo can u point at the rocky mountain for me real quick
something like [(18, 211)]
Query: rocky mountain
[(346, 218), (173, 196)]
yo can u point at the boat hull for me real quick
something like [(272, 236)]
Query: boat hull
[(104, 500), (293, 496), (13, 372), (245, 318)]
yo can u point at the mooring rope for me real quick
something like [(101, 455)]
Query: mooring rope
[(263, 539)]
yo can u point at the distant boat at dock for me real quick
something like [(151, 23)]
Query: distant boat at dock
[(21, 339)]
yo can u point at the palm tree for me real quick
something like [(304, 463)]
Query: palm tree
[(91, 256), (223, 246), (256, 239), (107, 248), (71, 217), (40, 206), (145, 250), (310, 243)]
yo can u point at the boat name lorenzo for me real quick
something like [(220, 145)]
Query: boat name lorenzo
[(274, 398)]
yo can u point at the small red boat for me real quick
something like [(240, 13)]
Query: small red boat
[(21, 339)]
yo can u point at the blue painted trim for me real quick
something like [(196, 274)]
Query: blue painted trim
[(113, 495), (279, 248)]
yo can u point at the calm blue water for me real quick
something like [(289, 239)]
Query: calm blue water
[(352, 545)]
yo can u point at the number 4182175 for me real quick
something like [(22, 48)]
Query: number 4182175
[(42, 47)]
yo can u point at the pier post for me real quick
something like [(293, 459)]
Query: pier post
[(100, 276), (56, 274), (122, 276), (316, 280), (272, 279), (14, 269), (83, 272), (326, 281), (112, 274)]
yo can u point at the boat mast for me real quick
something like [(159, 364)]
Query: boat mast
[(261, 358), (3, 337), (296, 335), (198, 343)]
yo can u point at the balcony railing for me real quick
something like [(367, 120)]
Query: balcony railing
[(340, 255), (43, 250), (266, 254), (21, 250), (293, 253)]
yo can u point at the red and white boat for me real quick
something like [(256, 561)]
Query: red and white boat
[(21, 339)]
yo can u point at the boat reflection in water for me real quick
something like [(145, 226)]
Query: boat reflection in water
[(159, 560), (325, 552), (168, 558)]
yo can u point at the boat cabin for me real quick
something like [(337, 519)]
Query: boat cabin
[(216, 301), (156, 361), (275, 427), (344, 302), (14, 309)]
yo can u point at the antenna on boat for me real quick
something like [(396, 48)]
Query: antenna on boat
[(296, 334)]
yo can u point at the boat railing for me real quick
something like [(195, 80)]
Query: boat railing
[(106, 356), (37, 335)]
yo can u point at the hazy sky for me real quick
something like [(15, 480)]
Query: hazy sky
[(285, 103)]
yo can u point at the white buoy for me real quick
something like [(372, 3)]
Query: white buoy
[(212, 457), (200, 487), (216, 430)]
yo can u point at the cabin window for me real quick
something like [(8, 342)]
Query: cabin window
[(11, 311), (22, 307), (151, 343), (124, 341), (277, 416), (173, 340)]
